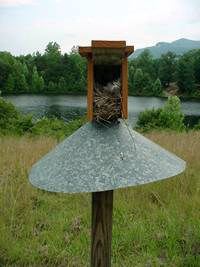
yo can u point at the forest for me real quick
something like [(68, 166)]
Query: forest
[(57, 73)]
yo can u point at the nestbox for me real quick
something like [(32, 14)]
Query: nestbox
[(99, 157), (107, 92)]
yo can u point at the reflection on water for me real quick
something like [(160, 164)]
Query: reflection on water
[(70, 107), (61, 112)]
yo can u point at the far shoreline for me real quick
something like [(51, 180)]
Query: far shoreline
[(182, 98)]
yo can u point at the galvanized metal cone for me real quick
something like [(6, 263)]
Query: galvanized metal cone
[(100, 158)]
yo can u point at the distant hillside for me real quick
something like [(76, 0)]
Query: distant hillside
[(179, 47)]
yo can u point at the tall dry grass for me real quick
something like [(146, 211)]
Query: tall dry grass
[(154, 225)]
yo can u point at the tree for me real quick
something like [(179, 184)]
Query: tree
[(157, 87), (185, 74), (131, 72), (53, 59), (52, 87), (62, 85), (138, 81), (5, 70), (197, 66), (10, 84), (53, 49), (6, 67), (147, 85), (21, 85), (167, 67), (37, 83), (146, 63), (25, 69)]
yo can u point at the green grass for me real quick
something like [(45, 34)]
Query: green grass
[(153, 225)]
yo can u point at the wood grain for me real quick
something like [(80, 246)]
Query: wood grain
[(124, 93), (102, 209), (108, 44), (85, 50), (90, 89)]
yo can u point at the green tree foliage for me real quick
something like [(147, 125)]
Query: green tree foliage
[(6, 63), (131, 79), (37, 83), (167, 67), (54, 72), (10, 84), (197, 66), (11, 121), (168, 117), (157, 88), (171, 116), (50, 72), (138, 81), (147, 85), (146, 63), (52, 87), (4, 73), (185, 75)]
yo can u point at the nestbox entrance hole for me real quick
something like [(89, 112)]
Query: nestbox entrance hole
[(104, 74)]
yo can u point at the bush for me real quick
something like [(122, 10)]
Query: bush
[(56, 128), (168, 117), (7, 111), (148, 119), (197, 126), (12, 122), (171, 116)]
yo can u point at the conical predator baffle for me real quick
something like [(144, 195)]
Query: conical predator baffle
[(100, 158)]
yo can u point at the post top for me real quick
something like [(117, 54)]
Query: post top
[(87, 51)]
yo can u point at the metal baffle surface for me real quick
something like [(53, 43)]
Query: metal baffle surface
[(100, 158)]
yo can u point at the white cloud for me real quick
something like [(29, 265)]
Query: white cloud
[(142, 23), (10, 3)]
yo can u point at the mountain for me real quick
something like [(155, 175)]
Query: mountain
[(179, 47)]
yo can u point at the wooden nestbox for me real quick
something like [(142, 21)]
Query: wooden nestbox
[(107, 64)]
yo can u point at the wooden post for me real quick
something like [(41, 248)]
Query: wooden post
[(102, 209)]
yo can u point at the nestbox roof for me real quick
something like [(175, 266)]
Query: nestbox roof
[(86, 51)]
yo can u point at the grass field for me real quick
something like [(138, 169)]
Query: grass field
[(154, 225)]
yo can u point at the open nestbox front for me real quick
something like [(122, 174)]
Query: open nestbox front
[(107, 80)]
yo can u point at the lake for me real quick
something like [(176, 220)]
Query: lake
[(70, 107)]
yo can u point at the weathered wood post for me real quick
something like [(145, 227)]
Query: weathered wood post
[(101, 234), (99, 158)]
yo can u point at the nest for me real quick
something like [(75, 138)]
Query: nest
[(107, 102)]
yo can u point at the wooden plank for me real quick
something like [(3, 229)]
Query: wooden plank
[(124, 78), (90, 82), (108, 44), (102, 210), (84, 50)]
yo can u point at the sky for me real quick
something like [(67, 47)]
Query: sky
[(26, 26)]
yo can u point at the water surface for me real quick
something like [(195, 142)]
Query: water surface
[(69, 107)]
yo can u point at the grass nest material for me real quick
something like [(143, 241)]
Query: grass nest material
[(107, 102)]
